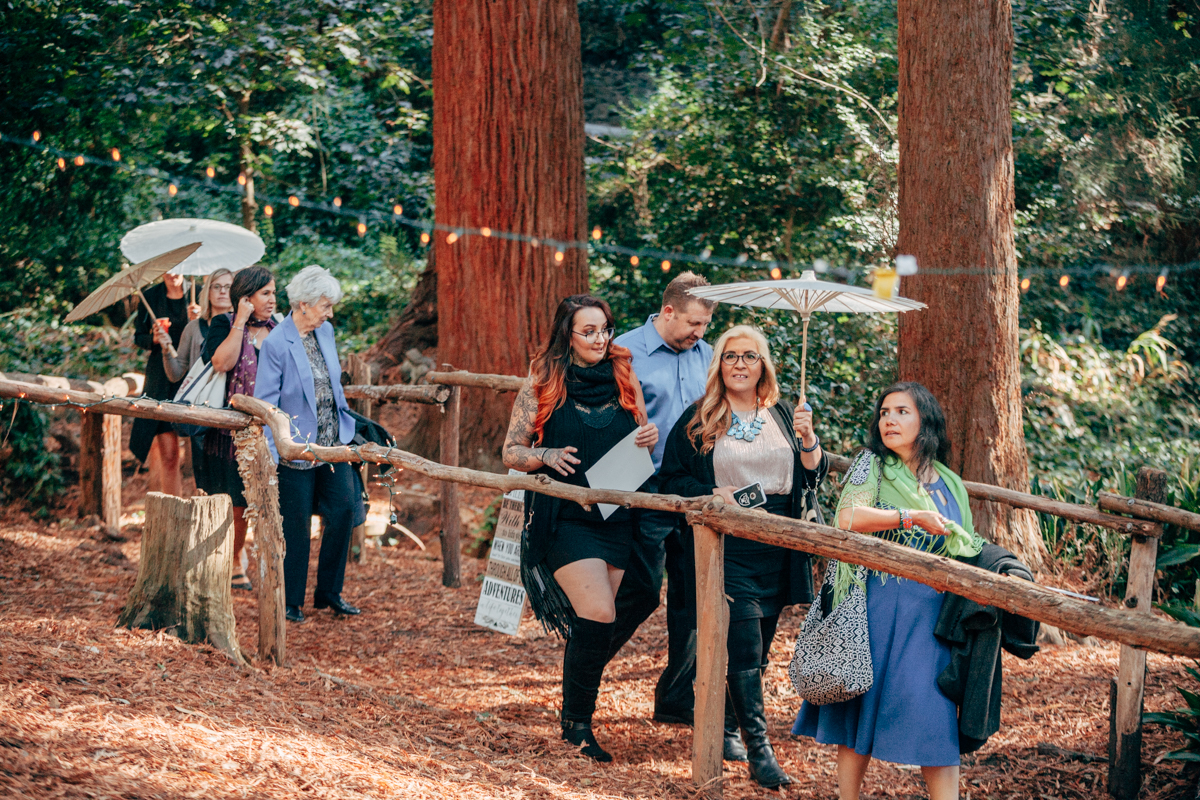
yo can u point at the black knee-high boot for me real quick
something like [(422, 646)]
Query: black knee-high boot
[(583, 666), (733, 749), (745, 690)]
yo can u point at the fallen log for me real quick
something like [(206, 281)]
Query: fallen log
[(143, 407), (127, 385), (400, 392), (1147, 509), (1018, 596)]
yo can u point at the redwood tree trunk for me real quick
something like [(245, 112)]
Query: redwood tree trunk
[(508, 155), (956, 214)]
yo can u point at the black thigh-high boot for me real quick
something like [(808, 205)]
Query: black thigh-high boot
[(583, 666), (733, 749), (745, 690)]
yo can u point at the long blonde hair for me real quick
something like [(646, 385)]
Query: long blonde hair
[(205, 305), (715, 415)]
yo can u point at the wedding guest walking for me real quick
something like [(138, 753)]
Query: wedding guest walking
[(299, 372), (742, 433), (900, 489), (581, 399)]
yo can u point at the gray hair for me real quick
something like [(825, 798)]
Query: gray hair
[(311, 284)]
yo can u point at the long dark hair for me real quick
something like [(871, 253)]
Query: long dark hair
[(548, 369), (246, 282), (932, 444)]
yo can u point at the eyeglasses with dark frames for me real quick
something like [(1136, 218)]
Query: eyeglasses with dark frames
[(750, 357)]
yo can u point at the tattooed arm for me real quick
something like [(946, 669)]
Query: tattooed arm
[(519, 453)]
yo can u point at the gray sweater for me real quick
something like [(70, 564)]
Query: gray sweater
[(191, 342)]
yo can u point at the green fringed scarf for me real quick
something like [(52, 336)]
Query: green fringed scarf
[(898, 489)]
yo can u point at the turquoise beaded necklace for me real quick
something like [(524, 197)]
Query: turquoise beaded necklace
[(746, 430)]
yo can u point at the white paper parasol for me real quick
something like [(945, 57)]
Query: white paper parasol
[(222, 245), (804, 296)]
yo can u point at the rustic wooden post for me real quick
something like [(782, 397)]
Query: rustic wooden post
[(451, 521), (712, 631), (184, 572), (258, 473), (1125, 694), (361, 375), (100, 467)]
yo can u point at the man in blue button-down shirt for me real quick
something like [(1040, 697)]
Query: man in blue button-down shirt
[(671, 360)]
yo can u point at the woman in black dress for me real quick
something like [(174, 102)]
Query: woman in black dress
[(582, 398), (232, 346), (741, 433), (152, 441)]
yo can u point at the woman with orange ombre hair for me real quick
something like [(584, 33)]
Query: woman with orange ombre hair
[(581, 399)]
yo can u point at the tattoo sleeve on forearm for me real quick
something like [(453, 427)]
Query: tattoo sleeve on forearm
[(518, 451)]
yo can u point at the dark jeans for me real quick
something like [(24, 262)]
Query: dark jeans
[(332, 493), (657, 545)]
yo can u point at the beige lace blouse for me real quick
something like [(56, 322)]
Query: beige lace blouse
[(768, 460)]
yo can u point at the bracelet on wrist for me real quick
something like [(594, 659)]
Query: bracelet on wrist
[(804, 449), (906, 521)]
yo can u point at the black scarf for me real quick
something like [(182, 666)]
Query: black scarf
[(591, 386)]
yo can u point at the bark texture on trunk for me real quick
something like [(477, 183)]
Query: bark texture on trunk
[(956, 214), (185, 570), (508, 155)]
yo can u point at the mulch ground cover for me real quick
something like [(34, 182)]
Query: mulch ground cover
[(411, 699)]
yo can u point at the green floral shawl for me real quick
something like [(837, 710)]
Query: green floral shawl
[(899, 488)]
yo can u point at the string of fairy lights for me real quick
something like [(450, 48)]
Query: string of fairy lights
[(644, 257)]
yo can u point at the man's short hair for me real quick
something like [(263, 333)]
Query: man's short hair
[(676, 294)]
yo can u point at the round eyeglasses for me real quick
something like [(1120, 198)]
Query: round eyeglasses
[(750, 357), (591, 336)]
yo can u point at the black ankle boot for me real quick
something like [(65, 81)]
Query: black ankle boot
[(583, 666), (580, 734), (733, 750), (745, 690)]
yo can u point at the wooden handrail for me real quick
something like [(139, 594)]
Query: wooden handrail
[(399, 392), (1149, 510), (497, 383), (143, 407), (127, 385)]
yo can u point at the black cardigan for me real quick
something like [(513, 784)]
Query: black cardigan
[(688, 472)]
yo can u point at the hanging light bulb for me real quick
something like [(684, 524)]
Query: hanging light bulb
[(362, 229), (242, 179), (1064, 280), (424, 238), (62, 163), (534, 242), (633, 260), (211, 173), (1123, 281), (337, 201), (559, 255), (397, 209), (776, 273), (37, 136), (293, 201), (486, 231), (451, 237), (666, 265), (173, 190), (79, 161), (269, 210), (116, 154), (1025, 284), (596, 233), (1161, 282)]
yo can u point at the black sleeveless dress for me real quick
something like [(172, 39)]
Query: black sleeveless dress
[(560, 532)]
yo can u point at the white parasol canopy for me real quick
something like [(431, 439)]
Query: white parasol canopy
[(804, 296), (222, 244)]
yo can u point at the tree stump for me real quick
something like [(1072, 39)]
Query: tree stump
[(185, 571)]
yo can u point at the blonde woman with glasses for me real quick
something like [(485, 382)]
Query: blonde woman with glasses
[(741, 433)]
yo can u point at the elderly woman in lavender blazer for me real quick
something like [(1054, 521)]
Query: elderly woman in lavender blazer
[(298, 371)]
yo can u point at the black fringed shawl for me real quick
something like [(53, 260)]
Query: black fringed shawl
[(591, 420)]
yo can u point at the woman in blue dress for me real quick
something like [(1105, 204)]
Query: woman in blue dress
[(900, 489)]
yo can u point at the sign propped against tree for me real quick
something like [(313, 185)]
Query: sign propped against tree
[(502, 598)]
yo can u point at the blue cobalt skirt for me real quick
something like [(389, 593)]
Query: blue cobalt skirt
[(904, 718)]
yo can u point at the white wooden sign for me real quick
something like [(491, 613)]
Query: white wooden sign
[(502, 597)]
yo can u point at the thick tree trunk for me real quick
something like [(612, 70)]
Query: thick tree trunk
[(416, 327), (184, 573), (246, 163), (508, 155), (956, 214)]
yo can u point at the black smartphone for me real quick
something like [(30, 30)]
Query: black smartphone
[(751, 496)]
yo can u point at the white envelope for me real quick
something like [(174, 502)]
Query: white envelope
[(625, 467)]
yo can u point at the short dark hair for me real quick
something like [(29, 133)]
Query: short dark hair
[(676, 294), (933, 442), (246, 282)]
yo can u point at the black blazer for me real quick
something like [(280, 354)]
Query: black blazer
[(688, 472)]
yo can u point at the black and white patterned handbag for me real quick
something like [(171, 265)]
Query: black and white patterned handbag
[(832, 661)]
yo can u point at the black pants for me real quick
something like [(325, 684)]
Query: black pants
[(657, 547), (331, 493)]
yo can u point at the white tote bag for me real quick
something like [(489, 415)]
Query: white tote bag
[(202, 386)]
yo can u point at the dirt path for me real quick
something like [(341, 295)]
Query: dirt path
[(413, 700)]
